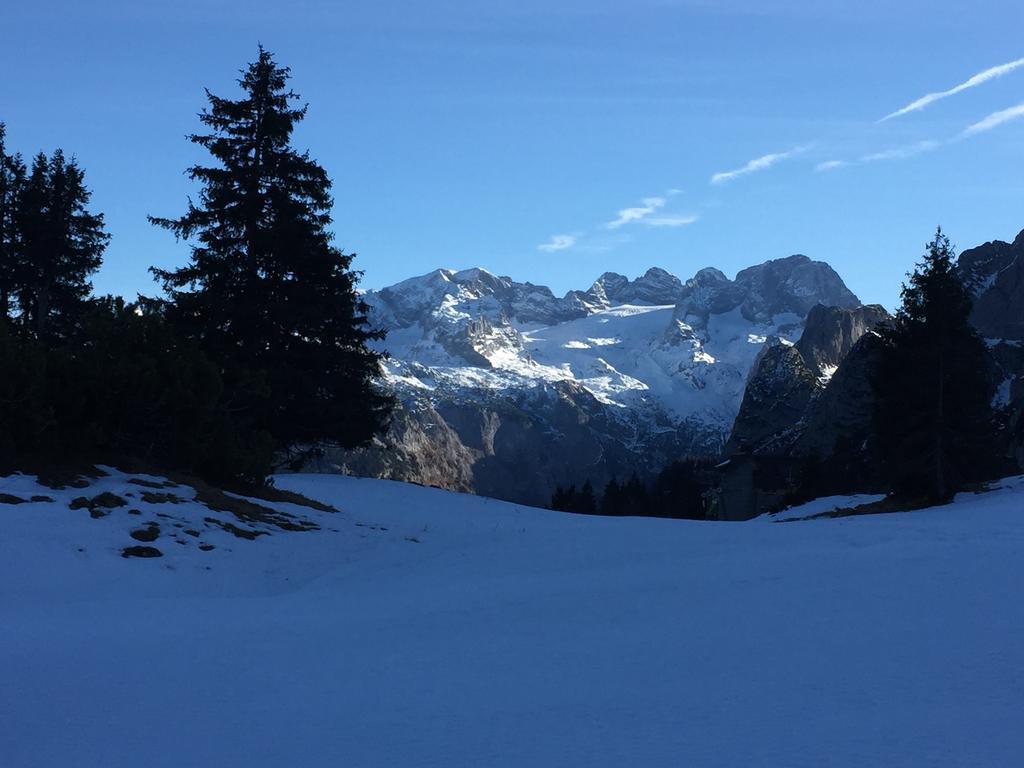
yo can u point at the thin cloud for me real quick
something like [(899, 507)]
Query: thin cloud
[(982, 77), (831, 165), (603, 243), (649, 212), (996, 118), (671, 220), (558, 243), (898, 153), (910, 150), (648, 206), (757, 164)]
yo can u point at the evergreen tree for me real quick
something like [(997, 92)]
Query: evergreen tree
[(585, 502), (634, 497), (611, 500), (569, 499), (562, 499), (265, 289), (933, 386), (61, 244), (12, 180)]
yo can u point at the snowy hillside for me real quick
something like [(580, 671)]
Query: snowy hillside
[(416, 627)]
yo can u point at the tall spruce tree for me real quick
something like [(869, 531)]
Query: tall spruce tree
[(934, 386), (266, 290), (61, 244), (12, 180)]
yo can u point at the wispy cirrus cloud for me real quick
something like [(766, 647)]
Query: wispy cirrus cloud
[(671, 220), (648, 206), (991, 121), (757, 164), (975, 80), (557, 243), (898, 153), (895, 153), (650, 214), (984, 125), (831, 165)]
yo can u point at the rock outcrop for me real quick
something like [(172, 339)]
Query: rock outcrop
[(831, 332), (788, 383), (994, 272)]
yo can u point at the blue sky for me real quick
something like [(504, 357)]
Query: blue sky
[(513, 135)]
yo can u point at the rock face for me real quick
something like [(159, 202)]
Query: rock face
[(419, 447), (655, 286), (788, 383), (838, 423), (794, 285), (831, 332), (778, 394), (509, 390), (783, 286), (994, 272)]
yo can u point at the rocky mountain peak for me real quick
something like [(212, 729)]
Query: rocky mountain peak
[(707, 277), (656, 286), (793, 284), (830, 333), (994, 273), (459, 295)]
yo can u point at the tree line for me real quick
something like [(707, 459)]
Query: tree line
[(678, 491), (257, 349)]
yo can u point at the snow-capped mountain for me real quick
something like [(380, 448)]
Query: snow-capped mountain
[(508, 390)]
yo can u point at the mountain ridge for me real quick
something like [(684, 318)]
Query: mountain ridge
[(507, 389)]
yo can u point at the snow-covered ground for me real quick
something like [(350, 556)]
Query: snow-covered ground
[(418, 627)]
